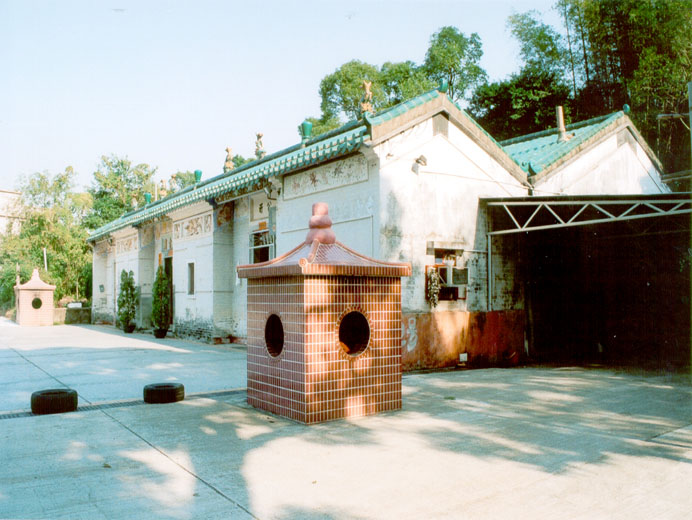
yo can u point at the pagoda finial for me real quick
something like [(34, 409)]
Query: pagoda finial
[(320, 225), (259, 147), (228, 164), (366, 101)]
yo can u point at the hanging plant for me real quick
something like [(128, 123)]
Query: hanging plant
[(433, 289)]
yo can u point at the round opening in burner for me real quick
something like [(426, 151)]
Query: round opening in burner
[(354, 333), (274, 335)]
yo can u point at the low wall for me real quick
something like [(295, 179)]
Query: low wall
[(64, 316), (435, 340)]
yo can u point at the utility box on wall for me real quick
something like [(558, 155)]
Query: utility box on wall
[(324, 330), (34, 302)]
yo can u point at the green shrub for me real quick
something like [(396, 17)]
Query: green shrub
[(128, 298), (161, 304)]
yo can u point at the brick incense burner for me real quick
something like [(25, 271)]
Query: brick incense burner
[(324, 330)]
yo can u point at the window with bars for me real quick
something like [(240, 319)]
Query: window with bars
[(261, 246)]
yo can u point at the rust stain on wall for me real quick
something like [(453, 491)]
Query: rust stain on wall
[(435, 340)]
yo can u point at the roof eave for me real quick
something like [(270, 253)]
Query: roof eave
[(619, 123), (248, 180), (382, 131)]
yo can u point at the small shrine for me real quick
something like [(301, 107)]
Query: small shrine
[(324, 330), (34, 302)]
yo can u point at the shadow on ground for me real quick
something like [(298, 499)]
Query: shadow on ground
[(471, 426)]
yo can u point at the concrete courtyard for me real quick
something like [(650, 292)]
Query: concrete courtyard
[(496, 443)]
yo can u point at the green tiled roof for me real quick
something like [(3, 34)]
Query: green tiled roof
[(402, 108), (537, 152), (249, 176), (397, 110)]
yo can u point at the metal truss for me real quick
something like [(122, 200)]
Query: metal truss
[(523, 215)]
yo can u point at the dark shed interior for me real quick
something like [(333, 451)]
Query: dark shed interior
[(615, 293)]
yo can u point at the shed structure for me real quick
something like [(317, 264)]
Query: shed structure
[(34, 302), (324, 330)]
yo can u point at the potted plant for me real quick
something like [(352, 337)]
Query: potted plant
[(127, 301), (161, 304)]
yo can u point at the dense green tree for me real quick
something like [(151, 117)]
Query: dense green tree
[(181, 180), (635, 52), (118, 187), (614, 52), (404, 80), (239, 160), (341, 91), (455, 57), (322, 125), (45, 191), (451, 56), (128, 299), (540, 46), (161, 302), (52, 212), (8, 274), (523, 104)]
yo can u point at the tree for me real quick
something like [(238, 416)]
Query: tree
[(239, 160), (618, 52), (404, 80), (161, 302), (341, 91), (451, 56), (52, 214), (540, 45), (454, 57), (322, 125), (45, 191), (182, 180), (117, 185), (128, 298), (639, 53), (8, 278), (523, 104)]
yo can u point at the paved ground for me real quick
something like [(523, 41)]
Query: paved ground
[(516, 443), (104, 364)]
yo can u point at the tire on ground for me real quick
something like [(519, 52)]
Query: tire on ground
[(54, 400), (158, 393)]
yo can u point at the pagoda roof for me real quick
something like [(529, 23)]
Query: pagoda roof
[(35, 284), (324, 260), (321, 254)]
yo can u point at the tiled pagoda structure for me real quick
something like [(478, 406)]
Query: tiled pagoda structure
[(324, 330)]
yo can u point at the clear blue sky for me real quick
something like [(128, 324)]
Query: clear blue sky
[(173, 83)]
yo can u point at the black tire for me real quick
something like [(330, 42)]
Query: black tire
[(55, 400), (158, 393)]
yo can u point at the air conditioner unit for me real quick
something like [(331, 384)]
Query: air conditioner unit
[(453, 281), (453, 276)]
